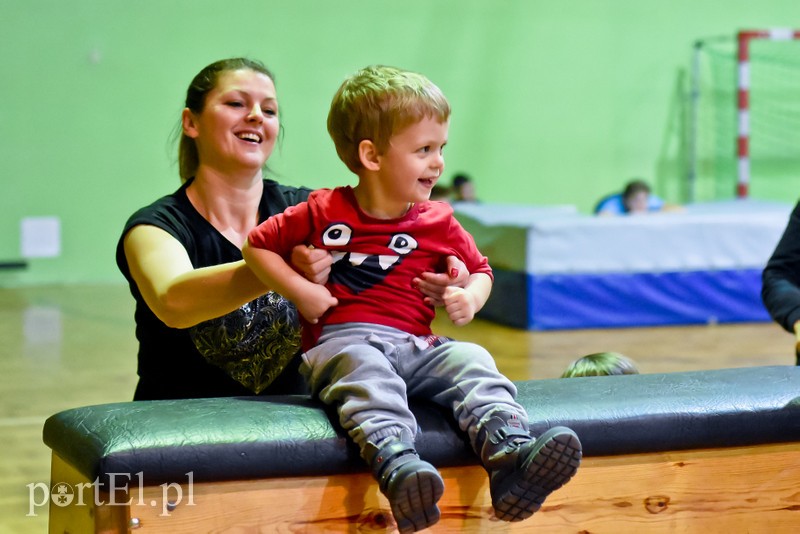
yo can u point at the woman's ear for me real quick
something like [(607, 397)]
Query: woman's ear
[(368, 154), (188, 123)]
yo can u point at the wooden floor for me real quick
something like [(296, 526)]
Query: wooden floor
[(62, 347)]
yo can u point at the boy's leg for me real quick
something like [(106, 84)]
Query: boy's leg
[(412, 486), (353, 373), (351, 369), (462, 377), (523, 471)]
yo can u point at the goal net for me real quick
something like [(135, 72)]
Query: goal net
[(745, 116)]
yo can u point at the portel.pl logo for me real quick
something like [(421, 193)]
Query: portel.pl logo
[(62, 494)]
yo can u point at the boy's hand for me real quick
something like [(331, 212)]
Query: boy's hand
[(315, 301), (459, 304), (313, 263)]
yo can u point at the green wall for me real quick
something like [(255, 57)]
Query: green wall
[(554, 102)]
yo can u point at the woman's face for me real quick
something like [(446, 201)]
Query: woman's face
[(239, 123)]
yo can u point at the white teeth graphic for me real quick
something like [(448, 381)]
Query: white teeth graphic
[(337, 256), (387, 261), (357, 259)]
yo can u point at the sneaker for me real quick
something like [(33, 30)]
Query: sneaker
[(542, 466)]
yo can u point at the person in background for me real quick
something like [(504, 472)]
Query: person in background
[(780, 287), (463, 189), (635, 199), (440, 193), (206, 325), (601, 364), (372, 346)]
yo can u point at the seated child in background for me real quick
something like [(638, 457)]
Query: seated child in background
[(368, 340), (601, 364), (463, 189), (635, 199), (440, 193)]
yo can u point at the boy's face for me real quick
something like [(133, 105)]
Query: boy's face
[(413, 161)]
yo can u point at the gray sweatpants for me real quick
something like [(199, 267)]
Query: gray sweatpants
[(369, 371)]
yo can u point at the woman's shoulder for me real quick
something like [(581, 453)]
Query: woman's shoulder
[(170, 207), (290, 194)]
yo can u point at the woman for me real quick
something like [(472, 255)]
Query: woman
[(206, 326)]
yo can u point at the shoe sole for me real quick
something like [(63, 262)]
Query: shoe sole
[(550, 463), (415, 490)]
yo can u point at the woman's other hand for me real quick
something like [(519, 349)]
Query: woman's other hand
[(433, 285)]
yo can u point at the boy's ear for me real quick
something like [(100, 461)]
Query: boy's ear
[(368, 154), (188, 123)]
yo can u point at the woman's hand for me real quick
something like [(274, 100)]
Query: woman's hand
[(433, 285), (313, 263)]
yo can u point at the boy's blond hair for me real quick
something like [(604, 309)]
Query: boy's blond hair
[(378, 102)]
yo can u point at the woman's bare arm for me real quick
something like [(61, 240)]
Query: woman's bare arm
[(177, 293)]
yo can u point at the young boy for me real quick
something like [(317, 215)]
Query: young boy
[(368, 341)]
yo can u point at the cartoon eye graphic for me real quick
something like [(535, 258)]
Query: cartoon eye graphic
[(402, 243), (337, 235)]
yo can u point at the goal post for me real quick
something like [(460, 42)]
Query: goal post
[(744, 39), (745, 114)]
